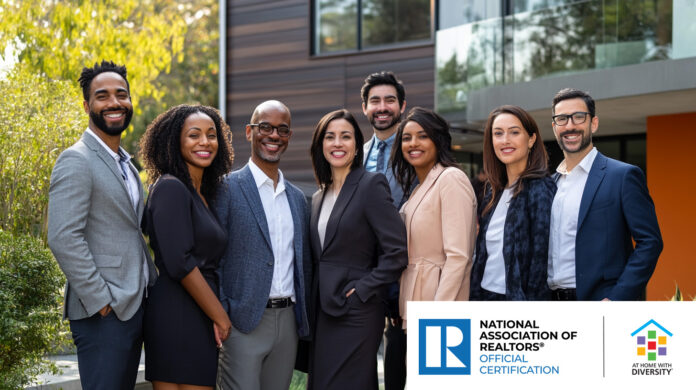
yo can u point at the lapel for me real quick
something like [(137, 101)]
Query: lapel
[(251, 193), (296, 225), (141, 203), (317, 200), (342, 202), (367, 149), (422, 190), (594, 179), (109, 161)]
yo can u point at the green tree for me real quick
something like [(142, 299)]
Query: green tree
[(40, 119), (193, 77), (30, 315), (57, 38)]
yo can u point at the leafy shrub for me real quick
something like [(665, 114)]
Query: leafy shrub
[(30, 309), (40, 118)]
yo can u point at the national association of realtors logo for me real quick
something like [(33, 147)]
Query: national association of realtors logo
[(651, 340), (444, 347)]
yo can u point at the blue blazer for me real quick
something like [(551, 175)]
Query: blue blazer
[(615, 208), (525, 242), (246, 268)]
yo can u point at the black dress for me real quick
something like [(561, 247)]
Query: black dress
[(184, 233)]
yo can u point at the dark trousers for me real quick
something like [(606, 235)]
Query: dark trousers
[(394, 357), (491, 296), (108, 350)]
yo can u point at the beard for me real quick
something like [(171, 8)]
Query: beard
[(98, 120), (585, 141), (268, 156), (396, 118)]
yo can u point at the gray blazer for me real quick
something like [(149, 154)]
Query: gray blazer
[(94, 233), (246, 268)]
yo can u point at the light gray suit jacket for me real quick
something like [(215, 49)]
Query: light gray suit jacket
[(94, 233)]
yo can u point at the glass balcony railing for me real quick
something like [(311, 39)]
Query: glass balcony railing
[(550, 38)]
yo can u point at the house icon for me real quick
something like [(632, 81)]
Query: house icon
[(649, 343)]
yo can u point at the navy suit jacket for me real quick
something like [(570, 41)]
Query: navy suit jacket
[(525, 242), (615, 208), (246, 268)]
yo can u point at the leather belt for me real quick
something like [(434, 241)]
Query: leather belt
[(279, 303), (564, 294)]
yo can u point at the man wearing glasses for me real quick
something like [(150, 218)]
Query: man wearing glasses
[(601, 207), (266, 269)]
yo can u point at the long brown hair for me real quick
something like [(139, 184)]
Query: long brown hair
[(496, 174)]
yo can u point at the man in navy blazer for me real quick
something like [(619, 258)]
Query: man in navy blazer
[(601, 207), (266, 269)]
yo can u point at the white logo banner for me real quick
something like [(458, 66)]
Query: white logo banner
[(539, 345)]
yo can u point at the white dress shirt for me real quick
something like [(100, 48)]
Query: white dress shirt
[(564, 222), (280, 229), (132, 182), (494, 273)]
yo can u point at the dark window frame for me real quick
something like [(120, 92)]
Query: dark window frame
[(314, 50)]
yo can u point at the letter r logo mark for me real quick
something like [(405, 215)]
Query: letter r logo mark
[(444, 347)]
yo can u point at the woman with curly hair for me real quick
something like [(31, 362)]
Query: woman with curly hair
[(512, 247), (186, 151)]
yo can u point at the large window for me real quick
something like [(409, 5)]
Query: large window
[(351, 25), (485, 43)]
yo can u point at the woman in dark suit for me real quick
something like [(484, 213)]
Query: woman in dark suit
[(186, 152), (512, 246), (358, 247)]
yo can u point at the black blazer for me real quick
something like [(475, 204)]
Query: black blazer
[(525, 242), (364, 246)]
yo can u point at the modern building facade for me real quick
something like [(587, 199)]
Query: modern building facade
[(637, 58)]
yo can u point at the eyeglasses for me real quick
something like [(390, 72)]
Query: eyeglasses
[(267, 129), (578, 118)]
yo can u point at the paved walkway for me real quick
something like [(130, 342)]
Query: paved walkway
[(70, 378)]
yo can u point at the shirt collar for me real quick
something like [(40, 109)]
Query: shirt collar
[(260, 178), (116, 156), (585, 164), (389, 141)]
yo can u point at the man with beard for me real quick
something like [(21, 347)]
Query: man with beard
[(94, 211), (601, 207), (383, 102), (266, 269)]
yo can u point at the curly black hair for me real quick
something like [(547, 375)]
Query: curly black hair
[(88, 74), (160, 148)]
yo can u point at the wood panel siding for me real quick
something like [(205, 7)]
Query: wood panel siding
[(269, 57)]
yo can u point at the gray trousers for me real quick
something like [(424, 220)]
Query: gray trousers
[(263, 359)]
